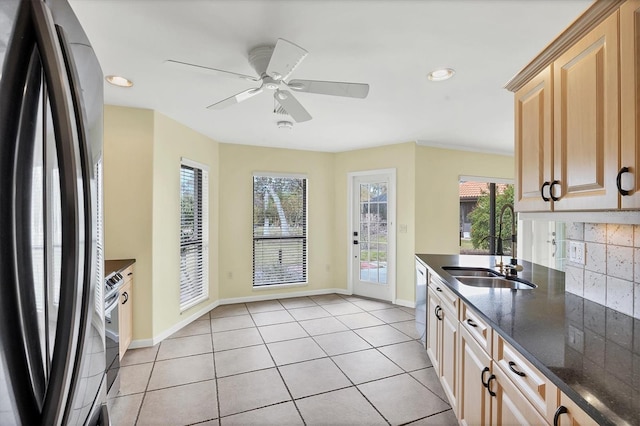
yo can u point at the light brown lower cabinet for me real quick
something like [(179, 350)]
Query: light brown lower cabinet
[(442, 341), (509, 406), (474, 400), (125, 312), (572, 414)]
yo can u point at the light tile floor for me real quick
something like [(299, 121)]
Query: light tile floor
[(319, 360)]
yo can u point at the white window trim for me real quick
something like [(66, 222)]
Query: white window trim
[(308, 265), (205, 233)]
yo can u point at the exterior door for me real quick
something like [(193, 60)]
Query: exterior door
[(373, 236)]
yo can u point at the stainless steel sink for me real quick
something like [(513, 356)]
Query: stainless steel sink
[(496, 282), (462, 271)]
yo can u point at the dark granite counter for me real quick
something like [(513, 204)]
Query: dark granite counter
[(592, 353), (116, 265)]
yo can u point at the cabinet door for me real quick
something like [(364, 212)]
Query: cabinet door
[(448, 355), (533, 147), (509, 406), (433, 329), (586, 137), (474, 403), (574, 415), (125, 316), (630, 101)]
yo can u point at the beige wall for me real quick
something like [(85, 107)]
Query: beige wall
[(128, 190), (141, 175), (437, 203), (400, 157), (172, 141), (237, 165), (142, 152)]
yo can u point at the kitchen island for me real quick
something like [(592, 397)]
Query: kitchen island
[(590, 352)]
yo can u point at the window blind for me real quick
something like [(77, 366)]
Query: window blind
[(279, 230), (194, 234)]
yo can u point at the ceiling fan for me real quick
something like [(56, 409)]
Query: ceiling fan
[(274, 65)]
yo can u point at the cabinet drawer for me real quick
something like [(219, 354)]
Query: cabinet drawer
[(538, 389), (449, 300), (476, 326), (128, 274)]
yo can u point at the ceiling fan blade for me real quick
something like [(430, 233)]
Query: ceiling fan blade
[(236, 99), (292, 106), (334, 88), (285, 58), (208, 70)]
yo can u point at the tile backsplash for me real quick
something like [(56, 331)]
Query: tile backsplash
[(611, 273)]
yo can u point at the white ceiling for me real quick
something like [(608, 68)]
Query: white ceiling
[(391, 45)]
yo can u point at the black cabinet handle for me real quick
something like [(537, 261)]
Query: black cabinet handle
[(551, 191), (556, 417), (421, 272), (491, 377), (129, 274), (485, 384), (622, 192), (519, 373), (355, 242), (471, 322), (126, 297), (436, 311), (439, 289), (546, 199)]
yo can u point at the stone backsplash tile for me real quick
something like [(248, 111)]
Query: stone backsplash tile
[(611, 273), (595, 287), (620, 295), (620, 262), (595, 232), (596, 257), (620, 235)]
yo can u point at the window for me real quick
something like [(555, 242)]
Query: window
[(279, 229), (481, 201), (194, 233)]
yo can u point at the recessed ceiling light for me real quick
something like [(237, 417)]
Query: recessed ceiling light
[(441, 74), (116, 80)]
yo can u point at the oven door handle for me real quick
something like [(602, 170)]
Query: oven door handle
[(111, 305)]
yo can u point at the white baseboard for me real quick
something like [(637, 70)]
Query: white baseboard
[(406, 303), (143, 343), (259, 298)]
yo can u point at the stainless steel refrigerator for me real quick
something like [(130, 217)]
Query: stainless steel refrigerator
[(51, 280)]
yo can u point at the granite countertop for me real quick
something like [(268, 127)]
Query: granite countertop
[(592, 353), (116, 265)]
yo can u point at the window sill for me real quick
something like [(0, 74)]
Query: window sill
[(272, 286)]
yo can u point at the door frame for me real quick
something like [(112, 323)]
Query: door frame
[(391, 228)]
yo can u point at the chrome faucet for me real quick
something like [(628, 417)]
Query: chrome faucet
[(513, 267)]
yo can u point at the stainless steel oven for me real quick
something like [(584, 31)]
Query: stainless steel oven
[(112, 339)]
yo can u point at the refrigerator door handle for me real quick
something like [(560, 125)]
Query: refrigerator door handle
[(88, 272), (66, 345)]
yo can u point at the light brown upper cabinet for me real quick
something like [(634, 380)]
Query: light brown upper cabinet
[(629, 175), (534, 148), (586, 137), (577, 115)]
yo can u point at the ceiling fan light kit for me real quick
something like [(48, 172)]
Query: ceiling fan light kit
[(274, 65)]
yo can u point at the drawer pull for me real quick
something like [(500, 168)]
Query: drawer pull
[(491, 377), (129, 274), (519, 373), (420, 271), (439, 289), (485, 384), (436, 311), (556, 417), (126, 297), (471, 322)]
